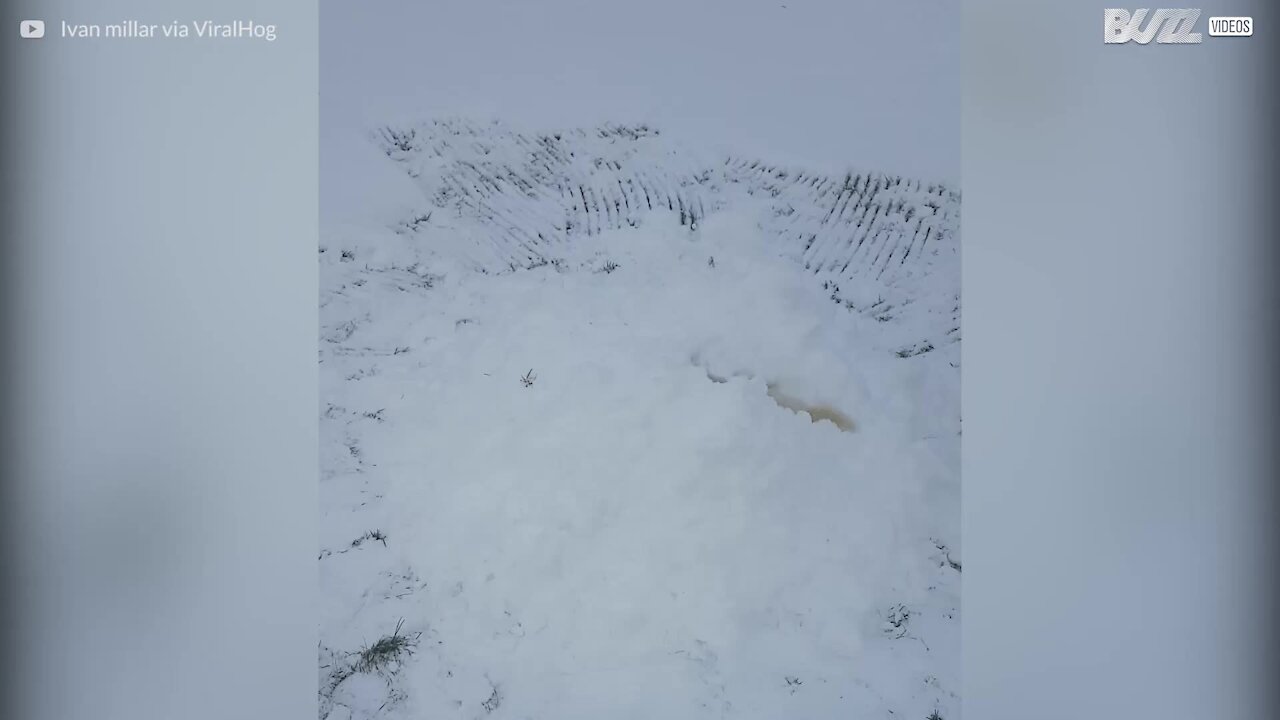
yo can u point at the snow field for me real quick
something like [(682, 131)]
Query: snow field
[(641, 530)]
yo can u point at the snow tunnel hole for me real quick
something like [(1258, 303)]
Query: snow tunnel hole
[(817, 412)]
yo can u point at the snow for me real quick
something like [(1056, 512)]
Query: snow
[(641, 529), (583, 381), (360, 187)]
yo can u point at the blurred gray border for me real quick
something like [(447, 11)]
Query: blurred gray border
[(160, 405), (1118, 327)]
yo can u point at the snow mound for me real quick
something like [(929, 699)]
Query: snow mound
[(619, 431)]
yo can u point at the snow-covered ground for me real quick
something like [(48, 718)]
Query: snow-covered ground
[(616, 426)]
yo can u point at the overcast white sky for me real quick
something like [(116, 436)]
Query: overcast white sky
[(823, 83)]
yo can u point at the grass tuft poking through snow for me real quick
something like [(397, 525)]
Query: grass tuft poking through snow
[(387, 650)]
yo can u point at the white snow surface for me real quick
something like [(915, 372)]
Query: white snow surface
[(551, 448)]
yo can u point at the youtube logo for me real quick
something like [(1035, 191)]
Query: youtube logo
[(31, 29)]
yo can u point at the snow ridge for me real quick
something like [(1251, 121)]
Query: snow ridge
[(880, 243)]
